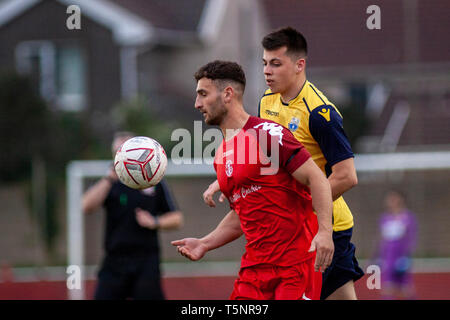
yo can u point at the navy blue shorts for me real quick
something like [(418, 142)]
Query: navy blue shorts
[(344, 266)]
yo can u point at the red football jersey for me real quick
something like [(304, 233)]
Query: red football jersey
[(275, 210)]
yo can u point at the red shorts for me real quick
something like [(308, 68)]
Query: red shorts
[(268, 282)]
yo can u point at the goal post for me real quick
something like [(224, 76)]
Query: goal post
[(79, 170)]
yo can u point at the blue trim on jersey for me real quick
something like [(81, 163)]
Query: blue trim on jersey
[(307, 107), (292, 156), (317, 94), (326, 128)]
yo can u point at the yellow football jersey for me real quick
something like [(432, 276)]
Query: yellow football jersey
[(317, 124)]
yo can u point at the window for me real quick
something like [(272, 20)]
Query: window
[(70, 78), (58, 71)]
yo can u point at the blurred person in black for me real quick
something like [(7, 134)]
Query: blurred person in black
[(131, 267)]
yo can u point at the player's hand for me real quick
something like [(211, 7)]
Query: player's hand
[(209, 193), (145, 219), (191, 248), (323, 243)]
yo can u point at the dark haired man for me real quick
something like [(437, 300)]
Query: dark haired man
[(274, 211), (297, 104)]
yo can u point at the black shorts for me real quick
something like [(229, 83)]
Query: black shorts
[(130, 277), (344, 266)]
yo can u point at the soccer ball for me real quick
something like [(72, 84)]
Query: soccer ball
[(140, 162)]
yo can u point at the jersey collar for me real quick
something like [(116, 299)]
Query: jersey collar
[(298, 97)]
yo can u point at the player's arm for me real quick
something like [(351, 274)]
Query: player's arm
[(167, 221), (343, 177), (95, 196), (171, 218), (228, 230), (298, 162), (209, 193), (311, 176), (326, 127)]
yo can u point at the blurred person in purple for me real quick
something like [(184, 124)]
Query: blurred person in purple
[(398, 230)]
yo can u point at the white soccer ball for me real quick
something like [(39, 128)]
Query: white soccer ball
[(140, 162)]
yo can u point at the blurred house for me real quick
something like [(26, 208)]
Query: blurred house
[(395, 74), (126, 47)]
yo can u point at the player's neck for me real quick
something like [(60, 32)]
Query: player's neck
[(294, 90), (234, 122)]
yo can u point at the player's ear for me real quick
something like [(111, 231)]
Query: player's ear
[(228, 94), (300, 64)]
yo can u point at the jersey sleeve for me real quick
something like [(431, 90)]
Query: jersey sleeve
[(291, 154), (166, 202), (326, 127)]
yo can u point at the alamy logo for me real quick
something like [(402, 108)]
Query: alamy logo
[(374, 280), (248, 153), (273, 129), (374, 20), (74, 278), (74, 20)]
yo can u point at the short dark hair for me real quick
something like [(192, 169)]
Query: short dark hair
[(223, 71), (289, 37)]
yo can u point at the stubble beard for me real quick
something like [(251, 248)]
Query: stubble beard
[(218, 113)]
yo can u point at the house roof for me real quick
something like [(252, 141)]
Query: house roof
[(178, 15), (133, 22)]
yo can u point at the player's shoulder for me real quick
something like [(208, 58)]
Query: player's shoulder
[(320, 108), (315, 98), (268, 128)]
